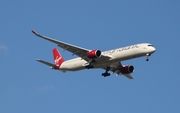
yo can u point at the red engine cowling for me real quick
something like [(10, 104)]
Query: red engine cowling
[(127, 69), (94, 54)]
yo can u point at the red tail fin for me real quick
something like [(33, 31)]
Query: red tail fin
[(58, 59)]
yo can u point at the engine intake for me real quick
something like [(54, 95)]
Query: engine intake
[(94, 54), (127, 69)]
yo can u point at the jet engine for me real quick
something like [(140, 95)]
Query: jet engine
[(127, 69), (94, 54)]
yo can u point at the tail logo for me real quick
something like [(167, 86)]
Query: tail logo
[(57, 60)]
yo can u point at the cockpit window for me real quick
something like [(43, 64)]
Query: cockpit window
[(151, 45)]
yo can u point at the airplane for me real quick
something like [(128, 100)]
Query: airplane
[(92, 59)]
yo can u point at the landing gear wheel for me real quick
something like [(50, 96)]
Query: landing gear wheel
[(105, 74), (89, 66), (147, 59)]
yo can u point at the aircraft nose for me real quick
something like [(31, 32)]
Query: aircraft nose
[(153, 49)]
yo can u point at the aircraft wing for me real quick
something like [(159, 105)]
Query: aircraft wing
[(128, 76), (116, 67), (81, 52)]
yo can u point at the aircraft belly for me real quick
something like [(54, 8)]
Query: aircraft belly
[(103, 64), (72, 66), (79, 64)]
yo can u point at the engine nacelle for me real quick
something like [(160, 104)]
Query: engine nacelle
[(127, 69), (94, 54)]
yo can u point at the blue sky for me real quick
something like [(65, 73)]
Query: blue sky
[(27, 86)]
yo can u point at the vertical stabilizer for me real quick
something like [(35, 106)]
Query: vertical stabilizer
[(58, 59)]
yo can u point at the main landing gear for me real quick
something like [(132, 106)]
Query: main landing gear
[(90, 65), (106, 73), (147, 56)]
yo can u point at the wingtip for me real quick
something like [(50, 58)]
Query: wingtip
[(33, 32), (39, 60)]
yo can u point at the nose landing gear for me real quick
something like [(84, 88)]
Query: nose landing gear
[(147, 56)]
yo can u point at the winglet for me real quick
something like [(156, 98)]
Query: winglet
[(33, 32)]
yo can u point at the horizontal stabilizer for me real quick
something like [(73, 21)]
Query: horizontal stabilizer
[(46, 63)]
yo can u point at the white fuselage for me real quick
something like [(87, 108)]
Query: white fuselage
[(116, 55)]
